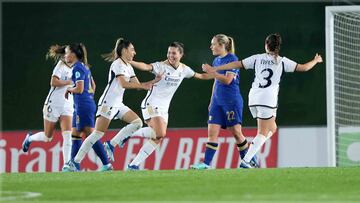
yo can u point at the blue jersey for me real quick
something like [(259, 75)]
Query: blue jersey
[(224, 94), (81, 73)]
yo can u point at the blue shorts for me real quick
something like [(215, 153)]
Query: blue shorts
[(84, 116), (225, 115)]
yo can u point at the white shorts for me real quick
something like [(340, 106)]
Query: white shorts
[(262, 112), (112, 112), (53, 113), (151, 112)]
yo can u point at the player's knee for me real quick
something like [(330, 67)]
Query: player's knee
[(138, 123), (48, 139)]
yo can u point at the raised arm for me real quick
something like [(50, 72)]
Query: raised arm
[(233, 65), (133, 84), (141, 66), (56, 82), (309, 65), (204, 76)]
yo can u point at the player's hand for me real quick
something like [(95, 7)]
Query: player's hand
[(207, 68), (147, 85), (158, 77), (67, 94), (318, 58)]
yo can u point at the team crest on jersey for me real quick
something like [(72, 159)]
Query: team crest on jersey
[(77, 74)]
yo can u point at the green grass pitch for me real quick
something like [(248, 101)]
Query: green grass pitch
[(257, 185)]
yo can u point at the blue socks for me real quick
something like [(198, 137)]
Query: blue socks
[(243, 148), (210, 150), (76, 144), (100, 152)]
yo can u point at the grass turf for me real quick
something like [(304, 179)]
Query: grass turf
[(258, 185)]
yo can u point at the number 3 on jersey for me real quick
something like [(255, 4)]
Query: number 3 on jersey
[(268, 78)]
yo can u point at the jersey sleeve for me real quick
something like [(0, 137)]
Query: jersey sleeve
[(157, 68), (132, 73), (79, 74), (289, 65), (249, 62), (57, 70), (189, 73), (119, 69)]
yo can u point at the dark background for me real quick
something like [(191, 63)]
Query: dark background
[(30, 28)]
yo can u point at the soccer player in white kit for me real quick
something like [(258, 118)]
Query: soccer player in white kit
[(56, 107), (157, 101), (263, 95), (110, 105)]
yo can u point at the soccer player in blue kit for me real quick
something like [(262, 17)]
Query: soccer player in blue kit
[(84, 104), (226, 106)]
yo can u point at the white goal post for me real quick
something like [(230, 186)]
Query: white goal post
[(342, 30)]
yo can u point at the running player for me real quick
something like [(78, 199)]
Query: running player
[(84, 114), (121, 77), (226, 105), (157, 101), (56, 107), (263, 95)]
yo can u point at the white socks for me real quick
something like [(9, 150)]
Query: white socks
[(146, 132), (144, 152), (66, 148), (126, 131), (39, 137), (257, 143), (87, 145)]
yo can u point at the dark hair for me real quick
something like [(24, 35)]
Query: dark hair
[(273, 42), (178, 45), (120, 44), (56, 52), (80, 52)]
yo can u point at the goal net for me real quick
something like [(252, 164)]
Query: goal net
[(343, 84)]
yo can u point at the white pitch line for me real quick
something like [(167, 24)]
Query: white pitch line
[(13, 195)]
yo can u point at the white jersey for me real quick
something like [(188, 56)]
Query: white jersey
[(161, 93), (114, 92), (56, 96), (268, 71)]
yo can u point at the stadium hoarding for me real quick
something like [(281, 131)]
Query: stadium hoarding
[(179, 149)]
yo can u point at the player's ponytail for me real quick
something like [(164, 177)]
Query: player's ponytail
[(231, 45), (56, 52), (227, 41), (120, 44)]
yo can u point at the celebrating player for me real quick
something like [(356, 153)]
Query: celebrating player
[(157, 101), (56, 107), (263, 95), (121, 77), (84, 114), (226, 106)]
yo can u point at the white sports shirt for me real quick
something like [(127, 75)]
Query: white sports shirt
[(56, 96), (114, 92), (161, 93), (268, 71)]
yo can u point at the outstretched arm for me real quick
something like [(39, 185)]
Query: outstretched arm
[(56, 82), (309, 65), (204, 76), (141, 66), (233, 65)]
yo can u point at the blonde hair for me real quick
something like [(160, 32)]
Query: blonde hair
[(56, 52), (227, 41)]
